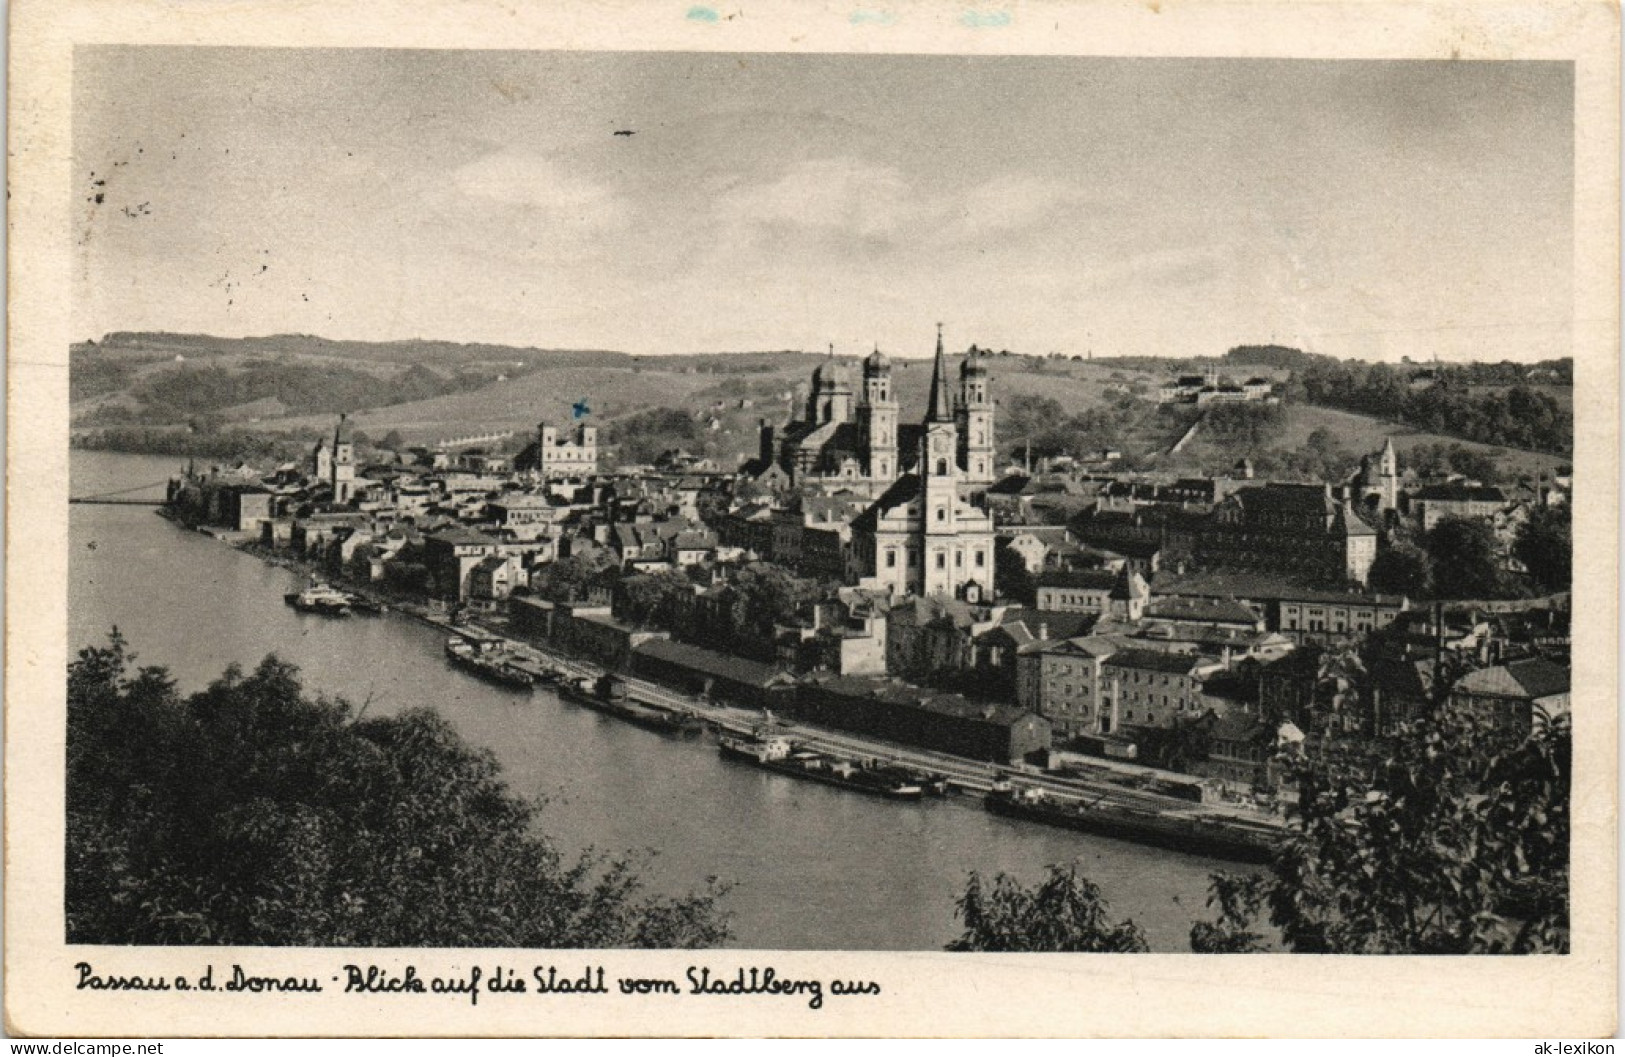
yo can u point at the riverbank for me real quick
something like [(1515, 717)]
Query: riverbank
[(1085, 789)]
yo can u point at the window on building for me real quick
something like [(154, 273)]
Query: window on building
[(942, 514), (891, 559), (942, 467), (942, 560), (981, 559), (959, 559)]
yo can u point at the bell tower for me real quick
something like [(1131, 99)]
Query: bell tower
[(939, 491), (975, 416), (343, 466), (877, 420)]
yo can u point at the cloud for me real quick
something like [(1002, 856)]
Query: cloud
[(1004, 205), (836, 195), (537, 182)]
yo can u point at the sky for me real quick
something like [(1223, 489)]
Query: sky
[(1167, 207)]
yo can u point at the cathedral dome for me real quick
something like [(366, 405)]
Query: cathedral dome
[(876, 363), (832, 374), (973, 367)]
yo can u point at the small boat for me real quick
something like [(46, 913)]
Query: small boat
[(1176, 826), (608, 694), (320, 598), (489, 664), (781, 756)]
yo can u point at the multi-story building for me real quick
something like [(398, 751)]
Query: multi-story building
[(1289, 529), (1429, 505), (1150, 688), (1119, 595)]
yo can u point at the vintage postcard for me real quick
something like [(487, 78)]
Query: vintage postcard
[(733, 519)]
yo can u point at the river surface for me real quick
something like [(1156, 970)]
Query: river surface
[(812, 867)]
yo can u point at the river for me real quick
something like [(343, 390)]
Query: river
[(812, 867)]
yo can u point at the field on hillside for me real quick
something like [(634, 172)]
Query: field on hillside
[(1359, 434), (766, 384)]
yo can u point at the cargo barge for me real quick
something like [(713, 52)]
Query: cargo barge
[(1175, 827), (608, 694), (781, 756)]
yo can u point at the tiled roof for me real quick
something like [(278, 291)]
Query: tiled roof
[(1533, 677), (711, 662), (1157, 661), (1460, 493), (1219, 610), (1082, 579)]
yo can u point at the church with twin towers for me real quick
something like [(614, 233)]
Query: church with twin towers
[(923, 533)]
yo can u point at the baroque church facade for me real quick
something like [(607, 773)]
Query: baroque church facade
[(923, 535)]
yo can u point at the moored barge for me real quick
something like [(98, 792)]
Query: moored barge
[(1175, 827), (608, 694), (781, 756), (488, 664)]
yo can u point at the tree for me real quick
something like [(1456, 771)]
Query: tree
[(393, 441), (1012, 576), (1064, 912), (1545, 546), (766, 594), (567, 579), (1401, 569), (1454, 842), (655, 598), (249, 814), (1463, 552)]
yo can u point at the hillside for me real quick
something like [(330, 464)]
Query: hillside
[(1355, 435), (428, 391)]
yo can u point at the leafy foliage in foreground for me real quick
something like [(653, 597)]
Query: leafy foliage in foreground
[(1456, 842), (250, 814), (1064, 912)]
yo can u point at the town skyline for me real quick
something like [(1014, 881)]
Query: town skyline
[(1375, 209)]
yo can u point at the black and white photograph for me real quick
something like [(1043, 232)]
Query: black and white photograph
[(768, 500)]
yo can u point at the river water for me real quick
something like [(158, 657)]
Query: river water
[(812, 867)]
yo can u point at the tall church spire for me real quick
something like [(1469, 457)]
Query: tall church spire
[(938, 409)]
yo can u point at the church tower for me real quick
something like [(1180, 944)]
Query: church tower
[(939, 477), (975, 416), (832, 392), (877, 421), (1388, 475), (343, 465)]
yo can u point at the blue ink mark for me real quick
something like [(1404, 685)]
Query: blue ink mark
[(873, 18), (984, 19), (580, 409), (702, 14)]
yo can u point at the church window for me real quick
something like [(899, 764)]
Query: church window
[(981, 559), (942, 514), (942, 467), (942, 560), (891, 559), (959, 559)]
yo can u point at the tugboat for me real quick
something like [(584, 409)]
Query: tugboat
[(781, 756), (320, 598), (1177, 826), (488, 664), (608, 694)]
